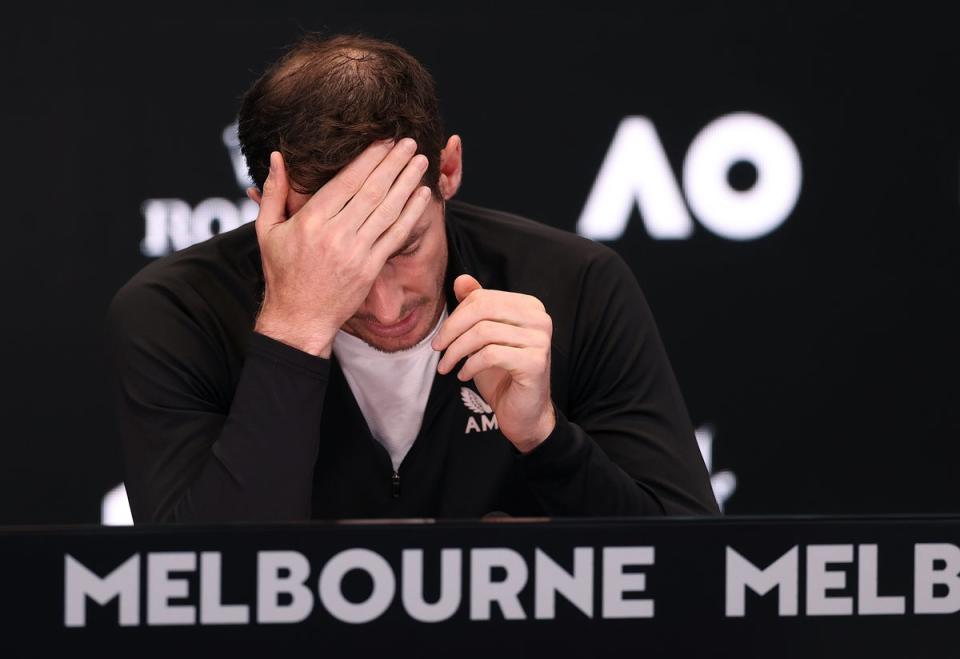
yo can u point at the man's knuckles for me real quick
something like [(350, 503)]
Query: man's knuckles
[(345, 185)]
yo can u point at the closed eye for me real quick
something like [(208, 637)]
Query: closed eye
[(411, 247), (410, 251)]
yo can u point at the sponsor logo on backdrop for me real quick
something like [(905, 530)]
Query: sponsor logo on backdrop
[(115, 507), (723, 483), (173, 224), (636, 174)]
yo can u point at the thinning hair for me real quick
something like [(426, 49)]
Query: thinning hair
[(327, 98)]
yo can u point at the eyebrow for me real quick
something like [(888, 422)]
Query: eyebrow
[(415, 235)]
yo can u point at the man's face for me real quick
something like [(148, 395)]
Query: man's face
[(407, 298)]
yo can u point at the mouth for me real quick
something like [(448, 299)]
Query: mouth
[(401, 327)]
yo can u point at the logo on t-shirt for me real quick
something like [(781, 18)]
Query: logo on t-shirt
[(473, 402)]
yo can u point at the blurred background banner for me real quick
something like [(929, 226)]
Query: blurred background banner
[(781, 177)]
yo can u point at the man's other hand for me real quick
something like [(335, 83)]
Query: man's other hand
[(506, 338)]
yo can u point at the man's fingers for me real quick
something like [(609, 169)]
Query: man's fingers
[(513, 360), (488, 332), (374, 190), (370, 228), (397, 233), (335, 193), (464, 285), (273, 201), (488, 304)]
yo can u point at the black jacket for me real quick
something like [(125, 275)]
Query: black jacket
[(220, 423)]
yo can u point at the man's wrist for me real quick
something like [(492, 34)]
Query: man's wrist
[(548, 422), (315, 341)]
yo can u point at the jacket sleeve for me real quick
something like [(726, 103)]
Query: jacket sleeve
[(627, 446), (195, 449)]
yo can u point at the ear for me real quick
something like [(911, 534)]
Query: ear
[(451, 167), (254, 194)]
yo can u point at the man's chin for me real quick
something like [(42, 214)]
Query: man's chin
[(391, 345), (394, 344), (386, 343)]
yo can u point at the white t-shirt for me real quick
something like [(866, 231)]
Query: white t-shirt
[(390, 388)]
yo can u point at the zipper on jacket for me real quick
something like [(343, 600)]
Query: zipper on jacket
[(396, 485)]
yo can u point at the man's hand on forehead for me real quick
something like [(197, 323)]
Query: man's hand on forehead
[(320, 263)]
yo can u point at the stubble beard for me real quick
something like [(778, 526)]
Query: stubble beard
[(391, 345)]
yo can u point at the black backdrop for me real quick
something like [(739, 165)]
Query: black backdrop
[(821, 357)]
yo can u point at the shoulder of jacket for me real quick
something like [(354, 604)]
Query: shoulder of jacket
[(232, 255), (499, 230)]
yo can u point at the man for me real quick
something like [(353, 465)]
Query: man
[(370, 348)]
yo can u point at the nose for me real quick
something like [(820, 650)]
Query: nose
[(385, 300)]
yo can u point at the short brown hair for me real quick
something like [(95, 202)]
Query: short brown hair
[(327, 98)]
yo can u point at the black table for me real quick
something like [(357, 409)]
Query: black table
[(882, 586)]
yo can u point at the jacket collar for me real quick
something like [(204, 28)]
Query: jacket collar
[(463, 255)]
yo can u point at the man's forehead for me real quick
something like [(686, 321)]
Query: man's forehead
[(427, 220), (423, 224), (420, 228)]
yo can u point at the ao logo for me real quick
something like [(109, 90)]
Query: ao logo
[(636, 171)]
